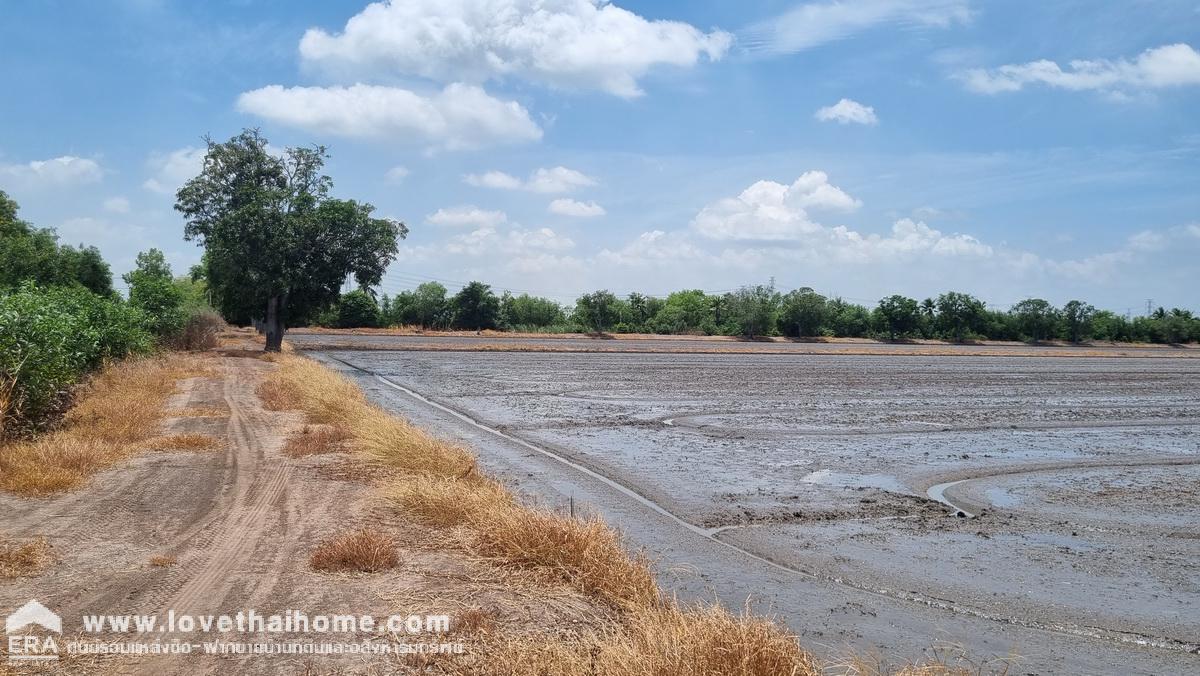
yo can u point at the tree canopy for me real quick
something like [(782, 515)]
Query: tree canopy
[(276, 244)]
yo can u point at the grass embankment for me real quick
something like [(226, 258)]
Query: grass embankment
[(437, 482), (116, 415)]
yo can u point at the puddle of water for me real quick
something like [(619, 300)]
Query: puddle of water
[(1001, 497), (828, 477)]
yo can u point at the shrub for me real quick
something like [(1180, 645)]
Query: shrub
[(49, 338), (200, 331), (357, 309)]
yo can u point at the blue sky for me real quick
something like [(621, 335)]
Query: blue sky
[(1009, 149)]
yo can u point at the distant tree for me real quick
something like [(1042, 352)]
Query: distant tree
[(276, 244), (958, 314), (529, 311), (899, 316), (802, 312), (1077, 319), (753, 310), (427, 307), (848, 319), (1036, 318), (475, 307), (690, 311), (597, 311), (152, 290), (33, 254), (356, 309)]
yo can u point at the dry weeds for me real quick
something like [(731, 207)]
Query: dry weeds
[(363, 551), (438, 484), (116, 412), (24, 559), (313, 440)]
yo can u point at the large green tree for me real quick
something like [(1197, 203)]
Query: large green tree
[(152, 290), (958, 314), (899, 316), (1036, 317), (802, 312), (1077, 319), (753, 309), (597, 311), (34, 254), (276, 244), (475, 307)]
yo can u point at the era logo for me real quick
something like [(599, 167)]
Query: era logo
[(23, 644)]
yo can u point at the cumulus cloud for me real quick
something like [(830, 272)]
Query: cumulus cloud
[(60, 171), (467, 215), (396, 174), (577, 44), (117, 205), (772, 211), (816, 23), (847, 111), (171, 170), (1174, 65), (456, 118), (517, 241), (569, 207), (554, 180)]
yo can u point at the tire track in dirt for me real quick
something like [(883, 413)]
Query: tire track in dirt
[(258, 489)]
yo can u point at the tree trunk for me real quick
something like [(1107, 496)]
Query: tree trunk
[(275, 324)]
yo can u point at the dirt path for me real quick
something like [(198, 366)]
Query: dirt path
[(236, 526)]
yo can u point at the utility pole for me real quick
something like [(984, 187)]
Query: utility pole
[(1149, 306)]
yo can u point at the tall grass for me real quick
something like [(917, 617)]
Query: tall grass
[(438, 483), (115, 415)]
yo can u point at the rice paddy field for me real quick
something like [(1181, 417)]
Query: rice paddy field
[(1037, 514)]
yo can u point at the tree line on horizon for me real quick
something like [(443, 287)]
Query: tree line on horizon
[(755, 311)]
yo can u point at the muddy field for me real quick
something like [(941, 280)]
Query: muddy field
[(1065, 529)]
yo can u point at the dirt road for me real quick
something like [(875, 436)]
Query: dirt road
[(234, 528)]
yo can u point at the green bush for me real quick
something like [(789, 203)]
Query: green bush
[(357, 310), (50, 338)]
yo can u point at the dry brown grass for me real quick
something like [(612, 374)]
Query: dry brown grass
[(24, 559), (586, 553), (449, 501), (328, 398), (116, 412), (666, 641), (162, 561), (363, 551), (311, 440)]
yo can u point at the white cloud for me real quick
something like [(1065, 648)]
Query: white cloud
[(489, 241), (467, 215), (117, 205), (569, 207), (547, 181), (494, 179), (772, 211), (396, 174), (584, 44), (1167, 66), (816, 23), (60, 171), (846, 112), (458, 117), (171, 170)]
